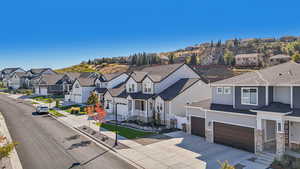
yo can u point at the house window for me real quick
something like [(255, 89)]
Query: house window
[(132, 87), (107, 104), (76, 85), (220, 90), (249, 96), (279, 127), (227, 90)]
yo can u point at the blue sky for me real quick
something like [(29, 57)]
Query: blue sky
[(59, 33)]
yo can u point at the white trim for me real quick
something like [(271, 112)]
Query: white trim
[(291, 93), (256, 88), (216, 111), (267, 95), (233, 96), (218, 90), (230, 123)]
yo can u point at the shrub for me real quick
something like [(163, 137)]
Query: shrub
[(7, 149), (225, 165), (57, 103), (296, 57), (75, 110)]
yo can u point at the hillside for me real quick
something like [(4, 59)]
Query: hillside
[(103, 68)]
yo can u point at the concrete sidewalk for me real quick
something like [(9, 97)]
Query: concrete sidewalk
[(15, 162)]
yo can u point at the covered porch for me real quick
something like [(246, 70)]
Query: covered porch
[(140, 109)]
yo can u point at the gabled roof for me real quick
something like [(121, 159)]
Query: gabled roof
[(86, 82), (283, 74), (76, 75), (155, 73), (39, 70), (9, 70), (50, 79), (111, 76), (118, 91), (177, 88), (20, 74)]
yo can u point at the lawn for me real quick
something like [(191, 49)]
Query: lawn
[(55, 113), (34, 103), (126, 132)]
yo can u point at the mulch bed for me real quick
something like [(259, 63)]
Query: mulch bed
[(102, 138)]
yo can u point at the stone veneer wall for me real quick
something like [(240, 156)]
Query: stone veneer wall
[(259, 140), (209, 136), (280, 144)]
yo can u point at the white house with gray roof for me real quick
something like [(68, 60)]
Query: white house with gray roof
[(157, 92), (257, 111)]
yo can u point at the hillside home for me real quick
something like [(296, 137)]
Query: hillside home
[(256, 111), (277, 59), (157, 92), (247, 59)]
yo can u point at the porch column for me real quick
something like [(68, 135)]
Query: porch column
[(280, 140), (259, 136), (209, 136)]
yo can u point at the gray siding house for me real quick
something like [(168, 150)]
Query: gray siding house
[(257, 111)]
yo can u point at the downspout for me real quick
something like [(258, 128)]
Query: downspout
[(147, 112)]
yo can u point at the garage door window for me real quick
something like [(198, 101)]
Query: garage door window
[(249, 96)]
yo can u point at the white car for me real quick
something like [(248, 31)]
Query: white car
[(42, 109)]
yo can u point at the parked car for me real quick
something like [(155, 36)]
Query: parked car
[(42, 110)]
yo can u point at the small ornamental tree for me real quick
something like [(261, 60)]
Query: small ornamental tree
[(93, 99), (101, 114), (57, 103)]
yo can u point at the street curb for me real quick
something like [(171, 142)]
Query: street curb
[(90, 136), (107, 147), (14, 158)]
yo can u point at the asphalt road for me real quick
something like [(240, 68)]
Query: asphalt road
[(47, 144)]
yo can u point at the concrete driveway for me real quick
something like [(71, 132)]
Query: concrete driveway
[(194, 147)]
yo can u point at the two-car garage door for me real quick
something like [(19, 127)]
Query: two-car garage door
[(234, 136)]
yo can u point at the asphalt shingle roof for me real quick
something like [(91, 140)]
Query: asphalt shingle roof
[(111, 76), (156, 73), (50, 79), (283, 74), (177, 88)]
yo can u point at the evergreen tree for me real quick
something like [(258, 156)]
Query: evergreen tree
[(171, 58), (193, 60)]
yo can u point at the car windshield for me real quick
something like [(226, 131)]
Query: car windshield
[(44, 107)]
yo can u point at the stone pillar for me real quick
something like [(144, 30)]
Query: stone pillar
[(259, 140), (209, 135), (280, 144)]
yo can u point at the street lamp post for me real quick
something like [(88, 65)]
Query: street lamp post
[(116, 125)]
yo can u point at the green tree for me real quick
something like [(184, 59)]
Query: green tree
[(171, 58), (193, 60), (56, 103), (93, 99), (296, 57), (228, 57)]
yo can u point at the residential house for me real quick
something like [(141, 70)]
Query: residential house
[(34, 75), (7, 72), (277, 59), (256, 111), (247, 59), (52, 84), (109, 81), (16, 80), (157, 92), (81, 88)]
